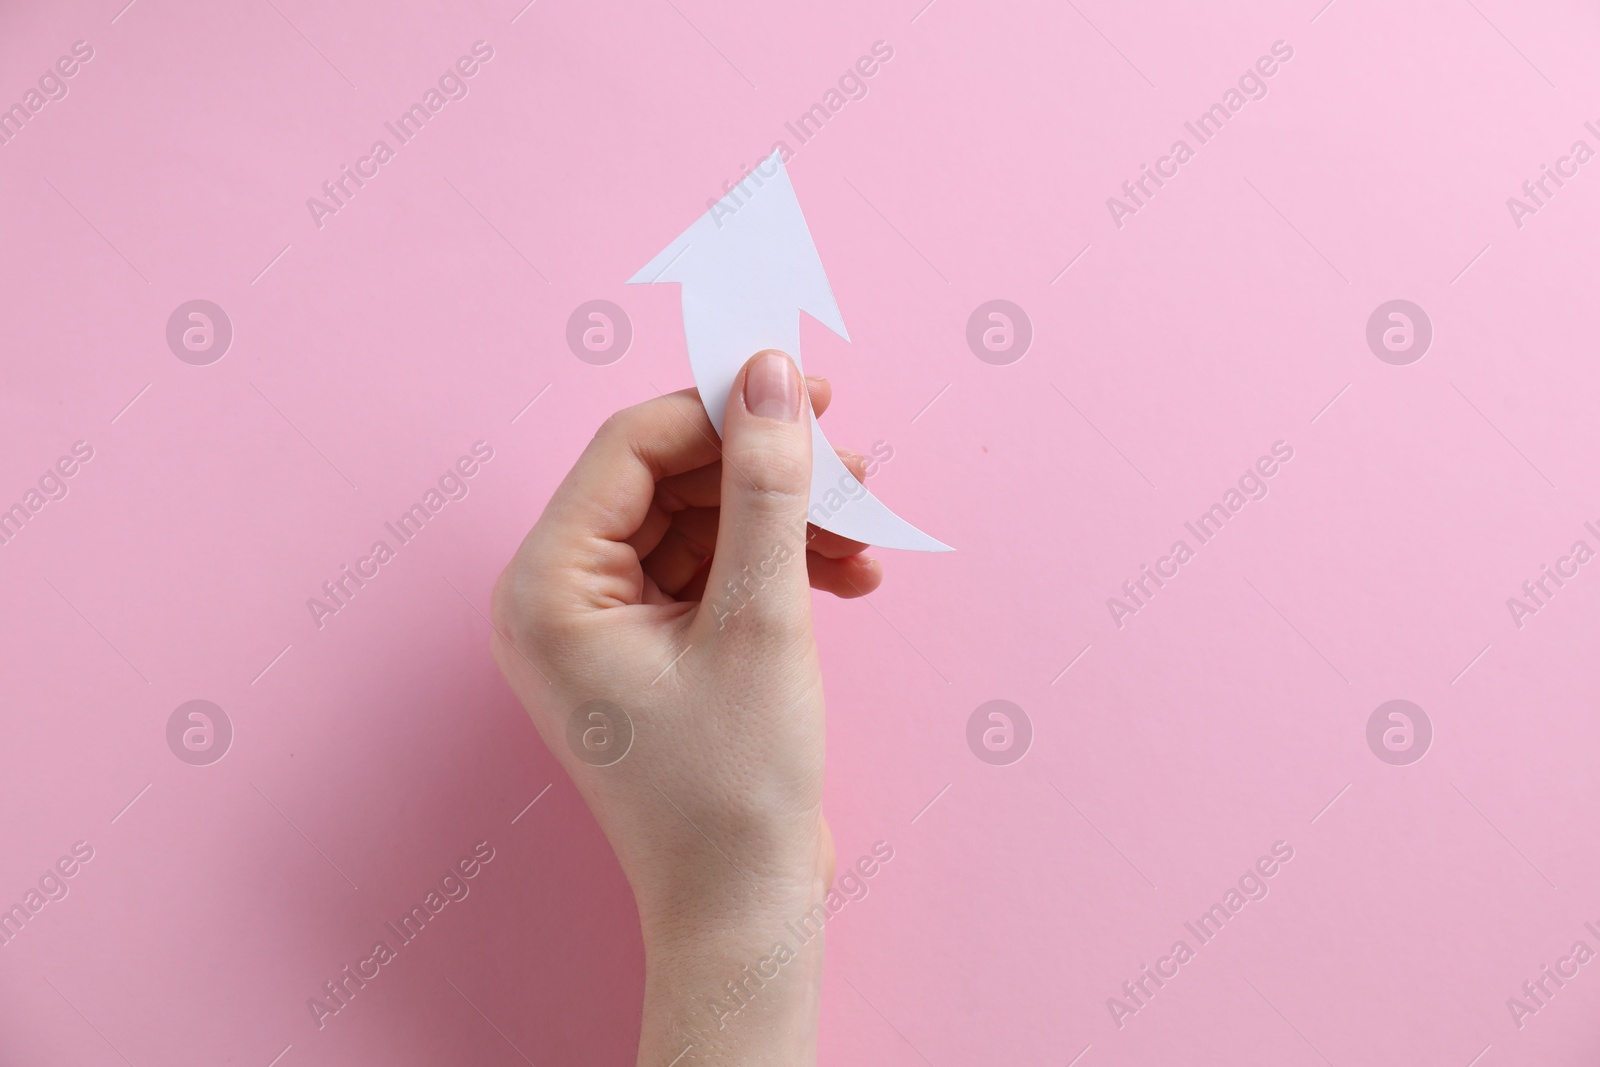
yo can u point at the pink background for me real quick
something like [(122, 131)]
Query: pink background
[(426, 315)]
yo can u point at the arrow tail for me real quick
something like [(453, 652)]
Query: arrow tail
[(862, 517)]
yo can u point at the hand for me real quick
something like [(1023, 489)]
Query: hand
[(663, 597)]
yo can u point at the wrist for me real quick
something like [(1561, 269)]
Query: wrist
[(741, 995), (751, 880), (733, 967)]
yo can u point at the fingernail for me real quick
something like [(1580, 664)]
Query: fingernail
[(772, 387)]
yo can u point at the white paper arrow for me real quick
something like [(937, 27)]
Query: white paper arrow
[(748, 268)]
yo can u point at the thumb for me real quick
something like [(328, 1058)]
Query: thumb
[(758, 573)]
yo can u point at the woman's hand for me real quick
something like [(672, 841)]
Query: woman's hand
[(656, 624)]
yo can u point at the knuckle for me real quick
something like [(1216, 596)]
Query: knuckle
[(780, 476), (517, 611), (509, 611), (768, 622), (504, 608), (776, 619), (615, 427)]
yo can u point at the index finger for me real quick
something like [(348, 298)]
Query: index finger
[(608, 492)]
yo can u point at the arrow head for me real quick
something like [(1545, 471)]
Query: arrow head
[(752, 249)]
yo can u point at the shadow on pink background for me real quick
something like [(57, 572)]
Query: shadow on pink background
[(1172, 347)]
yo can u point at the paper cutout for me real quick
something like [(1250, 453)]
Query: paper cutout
[(748, 268)]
